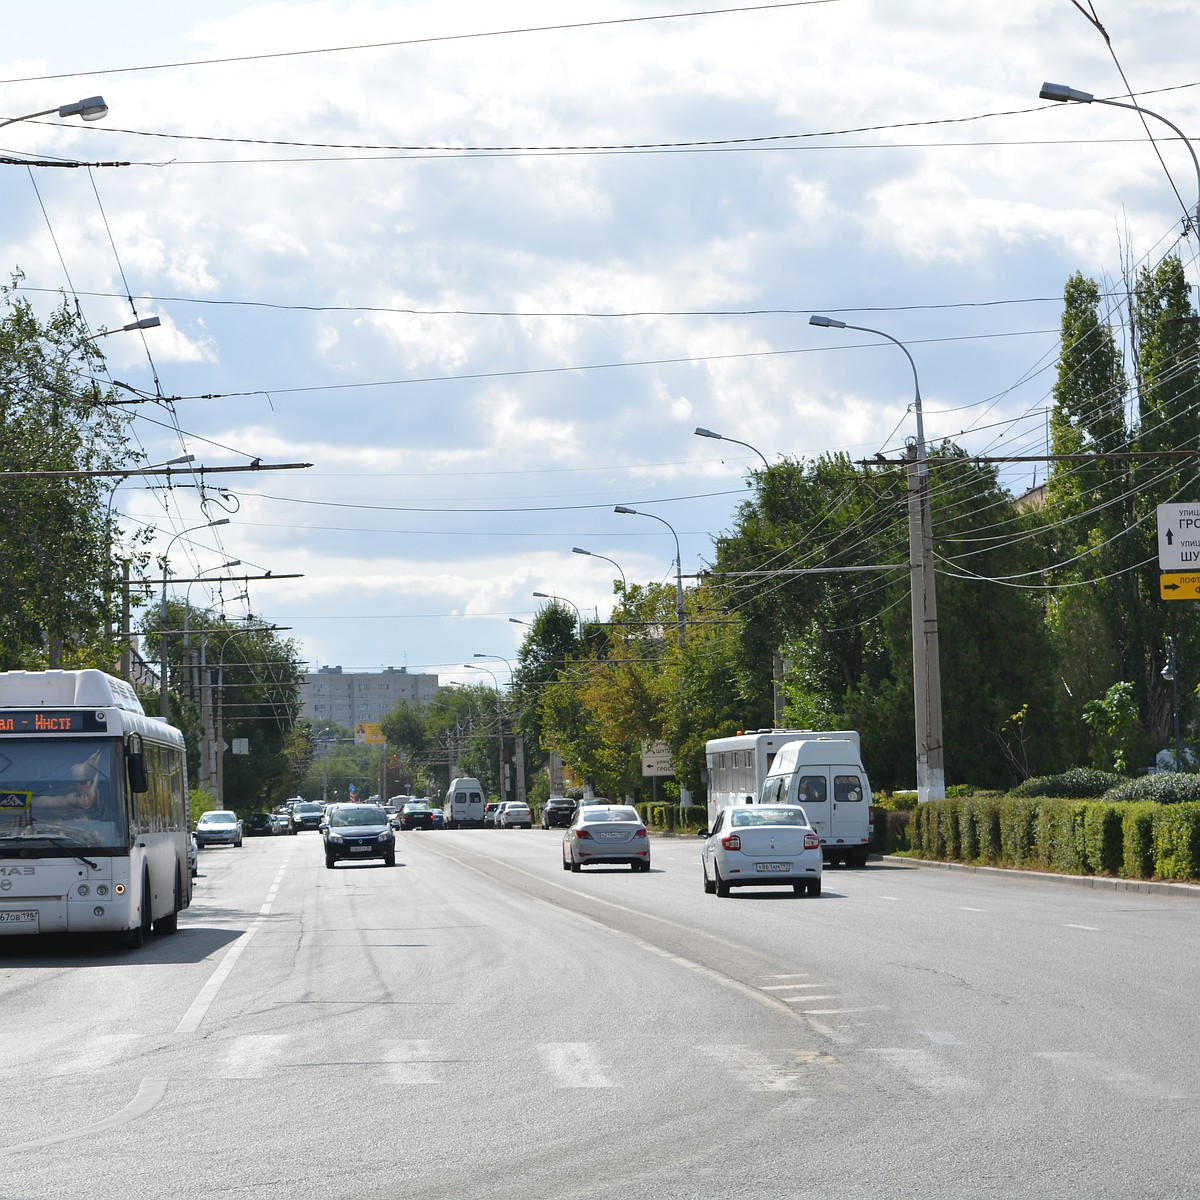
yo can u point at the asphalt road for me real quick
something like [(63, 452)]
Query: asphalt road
[(476, 1022)]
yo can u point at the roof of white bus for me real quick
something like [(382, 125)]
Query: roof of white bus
[(66, 689)]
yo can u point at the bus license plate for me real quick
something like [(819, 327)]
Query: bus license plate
[(769, 868), (19, 920)]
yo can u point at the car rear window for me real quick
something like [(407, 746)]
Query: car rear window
[(610, 814), (758, 815)]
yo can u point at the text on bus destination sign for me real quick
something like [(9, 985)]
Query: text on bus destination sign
[(41, 720)]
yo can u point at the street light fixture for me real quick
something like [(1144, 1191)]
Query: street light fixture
[(1064, 95), (593, 554), (164, 710), (91, 109), (700, 431), (633, 512), (133, 326), (927, 672)]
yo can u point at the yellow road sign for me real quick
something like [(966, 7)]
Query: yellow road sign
[(1179, 585)]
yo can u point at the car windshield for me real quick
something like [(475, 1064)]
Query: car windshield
[(307, 807), (359, 814), (218, 818), (592, 816), (743, 817)]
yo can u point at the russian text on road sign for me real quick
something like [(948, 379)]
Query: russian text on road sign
[(1179, 585), (1178, 537)]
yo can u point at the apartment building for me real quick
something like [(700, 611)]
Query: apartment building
[(331, 696)]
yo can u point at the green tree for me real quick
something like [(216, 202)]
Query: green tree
[(57, 596)]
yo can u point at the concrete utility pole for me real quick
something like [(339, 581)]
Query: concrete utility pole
[(927, 670)]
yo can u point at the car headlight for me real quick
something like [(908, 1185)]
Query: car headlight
[(333, 837), (387, 836)]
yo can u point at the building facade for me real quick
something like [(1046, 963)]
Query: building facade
[(331, 696)]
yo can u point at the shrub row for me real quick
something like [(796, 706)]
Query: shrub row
[(1133, 840), (670, 818)]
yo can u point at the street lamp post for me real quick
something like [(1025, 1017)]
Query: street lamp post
[(501, 774), (164, 710), (634, 512), (1170, 673), (593, 554), (927, 672), (564, 600), (324, 765), (1063, 94), (700, 431)]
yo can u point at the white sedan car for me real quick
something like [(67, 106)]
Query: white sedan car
[(605, 835), (762, 845), (512, 814)]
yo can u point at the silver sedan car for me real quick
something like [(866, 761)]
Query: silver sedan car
[(608, 835), (762, 845)]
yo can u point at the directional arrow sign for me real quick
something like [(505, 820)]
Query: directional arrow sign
[(1179, 537), (1179, 585)]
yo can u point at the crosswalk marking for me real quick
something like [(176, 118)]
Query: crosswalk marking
[(925, 1071), (786, 1071), (248, 1057), (1073, 1066), (574, 1065)]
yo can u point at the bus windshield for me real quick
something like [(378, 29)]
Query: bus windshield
[(56, 795)]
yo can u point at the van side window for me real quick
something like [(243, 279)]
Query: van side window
[(847, 789), (812, 790), (771, 790)]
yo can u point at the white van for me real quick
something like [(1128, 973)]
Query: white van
[(825, 776), (464, 803)]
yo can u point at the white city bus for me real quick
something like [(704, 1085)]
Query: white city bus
[(738, 765), (94, 830)]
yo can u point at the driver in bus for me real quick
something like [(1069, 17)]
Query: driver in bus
[(84, 792)]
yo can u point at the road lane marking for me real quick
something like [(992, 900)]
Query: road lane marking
[(963, 908), (149, 1093), (574, 1065), (191, 1020), (1089, 928)]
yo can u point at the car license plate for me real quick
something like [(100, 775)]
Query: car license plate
[(612, 835), (772, 868), (19, 920), (359, 849)]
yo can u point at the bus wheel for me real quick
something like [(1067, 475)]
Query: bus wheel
[(170, 923), (135, 939)]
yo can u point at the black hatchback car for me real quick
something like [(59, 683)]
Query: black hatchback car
[(258, 824), (558, 811), (416, 814), (358, 831)]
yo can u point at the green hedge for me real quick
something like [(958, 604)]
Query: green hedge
[(670, 818), (1140, 840)]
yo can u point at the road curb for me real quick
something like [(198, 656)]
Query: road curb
[(1104, 883)]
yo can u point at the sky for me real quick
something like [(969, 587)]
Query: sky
[(487, 267)]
